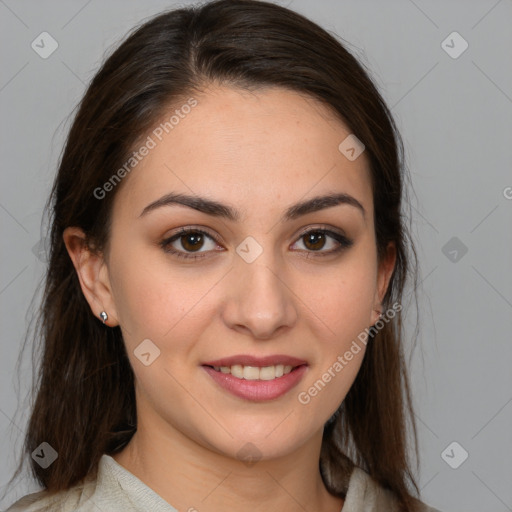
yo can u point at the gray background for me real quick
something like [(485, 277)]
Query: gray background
[(455, 115)]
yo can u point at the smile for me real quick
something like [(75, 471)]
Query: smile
[(257, 384), (254, 372)]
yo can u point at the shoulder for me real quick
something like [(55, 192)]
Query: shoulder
[(70, 500), (363, 490), (114, 489), (79, 498)]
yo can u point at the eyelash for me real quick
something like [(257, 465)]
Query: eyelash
[(343, 241)]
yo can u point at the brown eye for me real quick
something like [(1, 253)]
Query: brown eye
[(314, 240), (323, 242), (192, 241)]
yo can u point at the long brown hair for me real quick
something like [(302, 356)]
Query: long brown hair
[(84, 401)]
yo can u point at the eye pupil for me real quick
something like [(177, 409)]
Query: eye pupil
[(316, 239), (192, 241)]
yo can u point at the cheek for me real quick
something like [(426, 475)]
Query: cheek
[(343, 307), (156, 300), (342, 297), (140, 296), (342, 301)]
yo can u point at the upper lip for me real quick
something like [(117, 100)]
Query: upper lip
[(247, 360)]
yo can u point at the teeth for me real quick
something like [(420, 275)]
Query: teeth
[(265, 373), (255, 372), (251, 373), (237, 370)]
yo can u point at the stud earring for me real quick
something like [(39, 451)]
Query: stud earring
[(104, 316)]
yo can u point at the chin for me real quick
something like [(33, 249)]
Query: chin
[(264, 443)]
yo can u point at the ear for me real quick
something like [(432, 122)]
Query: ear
[(92, 273), (384, 273)]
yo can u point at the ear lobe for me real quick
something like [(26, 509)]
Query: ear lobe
[(92, 273)]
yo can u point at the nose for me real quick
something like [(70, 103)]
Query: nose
[(259, 301)]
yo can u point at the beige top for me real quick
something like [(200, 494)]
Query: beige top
[(117, 490)]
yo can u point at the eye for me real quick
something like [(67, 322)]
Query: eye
[(195, 243), (189, 241), (315, 240)]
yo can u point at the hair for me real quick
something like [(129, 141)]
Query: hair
[(83, 392)]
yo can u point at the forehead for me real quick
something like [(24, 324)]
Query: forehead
[(258, 151)]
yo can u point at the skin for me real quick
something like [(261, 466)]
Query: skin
[(259, 152)]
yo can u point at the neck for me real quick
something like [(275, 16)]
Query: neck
[(192, 477)]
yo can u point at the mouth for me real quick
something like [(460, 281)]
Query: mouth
[(247, 372), (257, 379)]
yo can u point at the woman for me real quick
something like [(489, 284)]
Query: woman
[(221, 320)]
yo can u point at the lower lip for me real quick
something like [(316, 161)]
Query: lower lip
[(257, 390)]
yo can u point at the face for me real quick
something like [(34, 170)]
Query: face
[(253, 278)]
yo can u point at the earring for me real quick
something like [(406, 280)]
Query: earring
[(104, 316)]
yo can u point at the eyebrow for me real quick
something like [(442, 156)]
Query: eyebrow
[(216, 209)]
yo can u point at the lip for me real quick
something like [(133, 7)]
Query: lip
[(260, 362), (257, 390)]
